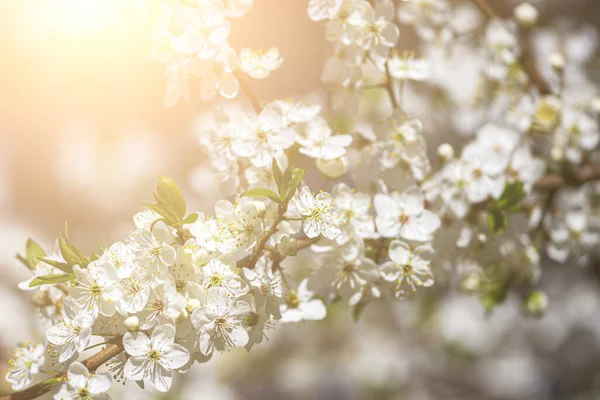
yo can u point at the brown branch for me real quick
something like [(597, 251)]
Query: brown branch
[(92, 364), (578, 176), (527, 62)]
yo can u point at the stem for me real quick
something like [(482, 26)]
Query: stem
[(246, 89), (527, 62), (96, 345), (93, 363), (390, 87), (578, 176)]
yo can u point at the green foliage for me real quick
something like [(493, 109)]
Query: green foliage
[(51, 279), (262, 192), (170, 204), (508, 202), (511, 197), (494, 294), (287, 182), (33, 254), (357, 310), (170, 196), (497, 221)]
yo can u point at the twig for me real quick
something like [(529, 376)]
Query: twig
[(94, 362), (583, 174), (249, 92), (527, 62)]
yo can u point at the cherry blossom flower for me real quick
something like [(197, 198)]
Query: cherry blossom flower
[(154, 357), (81, 384), (259, 64), (74, 332), (27, 361), (404, 215), (220, 322), (318, 213), (406, 265)]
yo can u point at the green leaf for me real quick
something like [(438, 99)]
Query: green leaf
[(50, 279), (190, 219), (33, 252), (497, 221), (357, 310), (58, 264), (166, 212), (262, 192), (168, 194), (511, 197), (71, 254), (297, 176), (277, 174)]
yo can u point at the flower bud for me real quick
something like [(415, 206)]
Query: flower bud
[(41, 299), (557, 61), (333, 168), (547, 114), (132, 323), (536, 303), (192, 304), (557, 154), (445, 152), (471, 282), (287, 246), (260, 208), (526, 15)]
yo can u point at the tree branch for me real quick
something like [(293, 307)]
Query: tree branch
[(526, 60), (578, 176), (92, 364)]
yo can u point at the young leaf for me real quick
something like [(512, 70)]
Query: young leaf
[(57, 264), (190, 219), (277, 174), (297, 176), (71, 254), (357, 311), (164, 211), (50, 279), (497, 221), (168, 194), (512, 195), (33, 252), (261, 192)]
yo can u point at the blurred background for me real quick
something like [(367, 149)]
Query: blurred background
[(84, 135)]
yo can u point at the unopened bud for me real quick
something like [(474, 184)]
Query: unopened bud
[(557, 154), (526, 15), (536, 304), (132, 323), (547, 114), (287, 246), (260, 208), (445, 152), (471, 282), (558, 61), (182, 316), (333, 168), (192, 304)]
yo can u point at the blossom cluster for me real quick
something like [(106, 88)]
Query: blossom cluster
[(387, 219)]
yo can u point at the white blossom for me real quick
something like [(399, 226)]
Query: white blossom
[(154, 357)]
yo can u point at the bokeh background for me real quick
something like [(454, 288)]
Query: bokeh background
[(84, 134)]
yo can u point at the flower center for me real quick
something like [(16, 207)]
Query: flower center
[(215, 280), (84, 394), (153, 355)]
